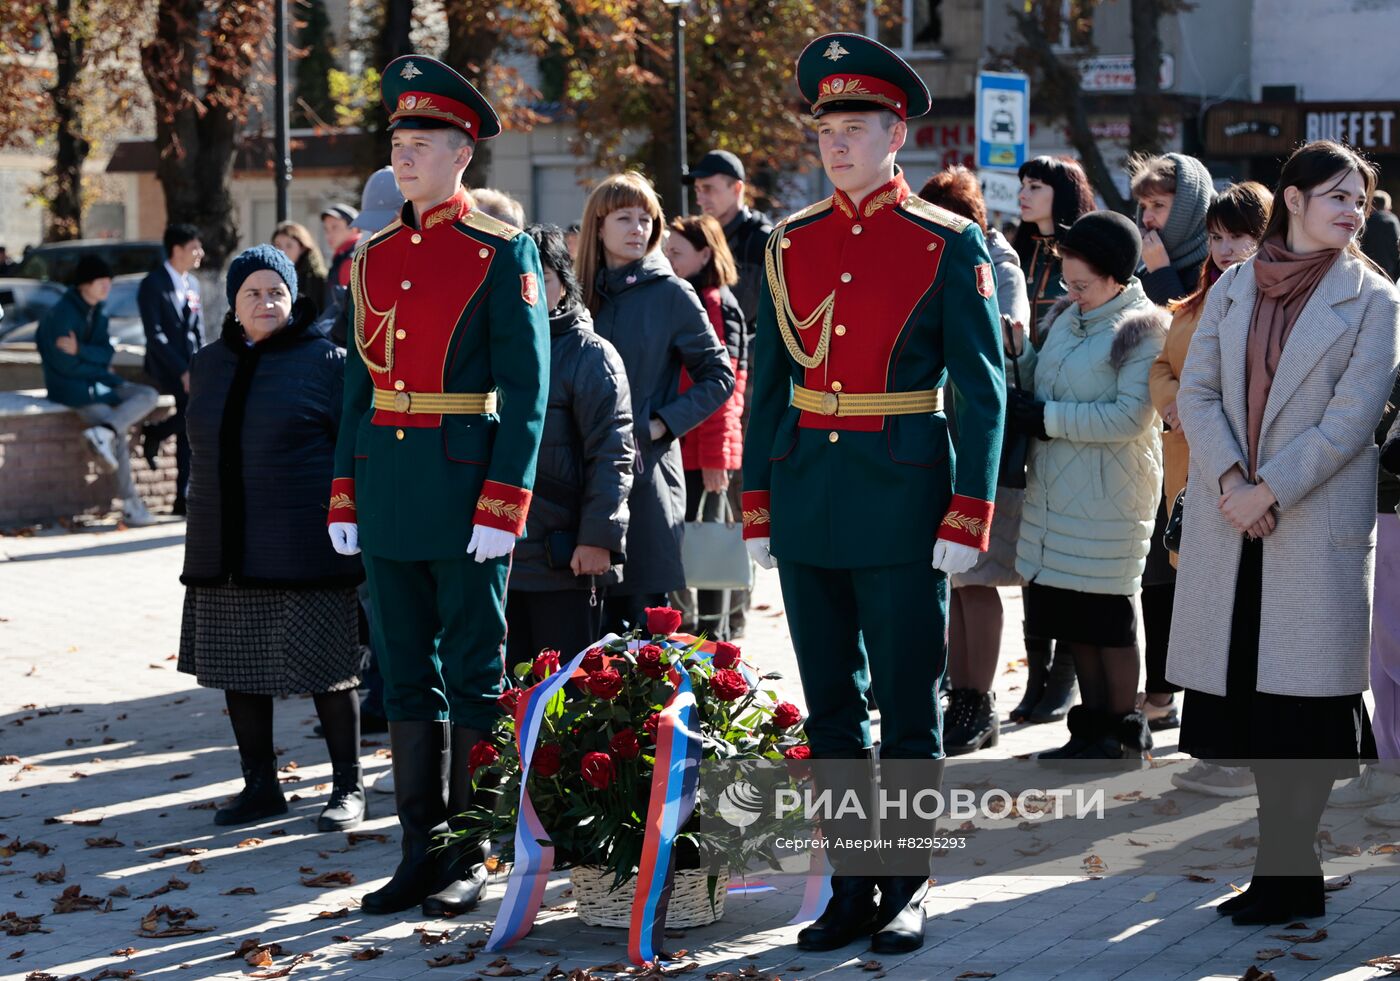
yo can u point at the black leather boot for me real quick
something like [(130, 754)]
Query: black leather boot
[(462, 859), (1037, 672), (1060, 689), (261, 796), (849, 915), (420, 790), (1258, 884), (1086, 727), (346, 808), (977, 724), (900, 918)]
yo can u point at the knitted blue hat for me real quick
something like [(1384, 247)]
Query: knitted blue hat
[(258, 257)]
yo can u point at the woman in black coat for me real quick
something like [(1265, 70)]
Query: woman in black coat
[(270, 608), (575, 535)]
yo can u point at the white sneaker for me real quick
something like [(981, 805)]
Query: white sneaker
[(1216, 781), (385, 784), (135, 514), (1374, 786), (1386, 815), (103, 443)]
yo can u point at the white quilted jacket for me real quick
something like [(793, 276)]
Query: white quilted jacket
[(1092, 489)]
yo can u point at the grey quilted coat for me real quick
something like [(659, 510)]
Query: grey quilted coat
[(1092, 489), (1318, 455)]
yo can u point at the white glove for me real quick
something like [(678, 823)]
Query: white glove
[(490, 543), (758, 550), (345, 537), (952, 558)]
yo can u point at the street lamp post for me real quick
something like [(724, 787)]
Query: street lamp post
[(678, 65), (283, 150)]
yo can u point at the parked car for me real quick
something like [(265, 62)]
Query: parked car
[(58, 260), (24, 301), (124, 316)]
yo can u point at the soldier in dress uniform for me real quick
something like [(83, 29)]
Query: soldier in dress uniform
[(873, 300), (445, 388)]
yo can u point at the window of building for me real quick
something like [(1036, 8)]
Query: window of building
[(909, 26)]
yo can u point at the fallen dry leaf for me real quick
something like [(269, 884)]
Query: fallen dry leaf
[(449, 960), (249, 843), (1255, 974), (195, 868), (976, 974), (176, 922), (329, 880), (334, 914), (16, 955), (1166, 806), (125, 952), (872, 966), (14, 925), (114, 972), (1193, 877), (1313, 938), (104, 843), (240, 891), (368, 954), (72, 900), (121, 892), (355, 837), (427, 937), (1302, 956), (52, 877), (1240, 841), (169, 850), (173, 884), (1268, 954)]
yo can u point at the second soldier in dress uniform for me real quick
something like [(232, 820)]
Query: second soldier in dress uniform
[(873, 301), (446, 377)]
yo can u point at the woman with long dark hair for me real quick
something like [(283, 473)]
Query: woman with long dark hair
[(1055, 193), (1234, 224), (1285, 383)]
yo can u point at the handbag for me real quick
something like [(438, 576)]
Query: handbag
[(1171, 535), (713, 552)]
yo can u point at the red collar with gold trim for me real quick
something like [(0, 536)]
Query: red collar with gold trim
[(885, 197), (451, 210)]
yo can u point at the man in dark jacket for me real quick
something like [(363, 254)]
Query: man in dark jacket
[(77, 358), (576, 531), (1381, 239), (172, 316)]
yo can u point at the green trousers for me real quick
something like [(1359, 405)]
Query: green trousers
[(440, 629), (884, 628)]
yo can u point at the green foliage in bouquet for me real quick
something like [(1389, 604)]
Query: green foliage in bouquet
[(592, 769)]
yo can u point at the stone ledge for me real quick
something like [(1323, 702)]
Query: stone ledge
[(31, 402)]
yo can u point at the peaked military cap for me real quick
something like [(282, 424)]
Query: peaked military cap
[(851, 73), (420, 92)]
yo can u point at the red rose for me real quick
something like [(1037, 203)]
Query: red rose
[(726, 655), (651, 724), (624, 744), (593, 660), (651, 661), (801, 752), (508, 700), (482, 754), (546, 664), (597, 770), (606, 684), (786, 715), (662, 620), (728, 685), (547, 760)]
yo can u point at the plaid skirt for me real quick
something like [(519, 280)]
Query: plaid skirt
[(271, 641)]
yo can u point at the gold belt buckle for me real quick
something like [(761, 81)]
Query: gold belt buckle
[(830, 402), (402, 402)]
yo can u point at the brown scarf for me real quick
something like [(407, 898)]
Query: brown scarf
[(1286, 281)]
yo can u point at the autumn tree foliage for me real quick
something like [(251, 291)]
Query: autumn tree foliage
[(200, 66)]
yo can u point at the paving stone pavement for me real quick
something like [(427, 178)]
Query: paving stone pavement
[(113, 761)]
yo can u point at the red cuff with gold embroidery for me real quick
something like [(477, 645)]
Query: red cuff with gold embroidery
[(968, 522), (342, 501), (502, 506), (757, 516)]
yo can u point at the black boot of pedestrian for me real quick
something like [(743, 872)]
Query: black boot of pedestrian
[(1124, 738), (346, 808), (1037, 672), (420, 790), (1258, 884), (977, 724), (1060, 689), (463, 858), (260, 798), (1086, 727), (849, 915), (901, 914)]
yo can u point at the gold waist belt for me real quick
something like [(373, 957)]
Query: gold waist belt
[(867, 404), (435, 403)]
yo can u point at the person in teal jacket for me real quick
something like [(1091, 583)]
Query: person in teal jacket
[(77, 358)]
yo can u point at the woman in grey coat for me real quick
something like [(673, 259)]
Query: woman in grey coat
[(575, 535), (658, 325), (1286, 379)]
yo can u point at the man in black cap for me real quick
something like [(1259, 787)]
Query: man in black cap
[(719, 190), (342, 235), (77, 357)]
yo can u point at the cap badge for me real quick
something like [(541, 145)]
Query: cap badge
[(410, 72), (409, 101), (835, 52)]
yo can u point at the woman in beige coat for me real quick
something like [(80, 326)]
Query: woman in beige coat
[(1284, 384), (1234, 224)]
